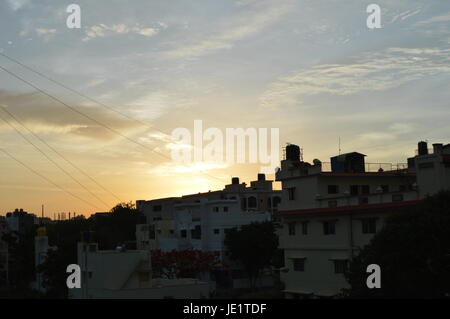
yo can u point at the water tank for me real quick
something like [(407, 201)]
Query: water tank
[(293, 152), (261, 177), (423, 148), (235, 181)]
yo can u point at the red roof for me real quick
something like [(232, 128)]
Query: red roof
[(347, 209)]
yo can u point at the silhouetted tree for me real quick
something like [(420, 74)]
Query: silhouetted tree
[(413, 251), (21, 259), (254, 246)]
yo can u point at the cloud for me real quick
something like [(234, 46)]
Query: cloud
[(443, 18), (103, 30), (17, 4), (370, 72), (175, 169), (42, 115), (233, 29)]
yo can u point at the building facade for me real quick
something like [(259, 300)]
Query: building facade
[(329, 215)]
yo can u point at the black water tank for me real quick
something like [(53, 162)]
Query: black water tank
[(423, 148), (293, 152), (261, 177), (235, 181)]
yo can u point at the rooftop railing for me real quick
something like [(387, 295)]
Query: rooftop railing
[(373, 167)]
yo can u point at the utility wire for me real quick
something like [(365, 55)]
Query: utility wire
[(47, 179), (52, 161), (61, 155), (113, 109), (91, 118)]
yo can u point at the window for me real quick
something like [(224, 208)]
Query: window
[(252, 202), (299, 264), (217, 231), (402, 188), (354, 190), (196, 233), (172, 231), (363, 200), (276, 201), (244, 203), (183, 233), (369, 226), (365, 189), (269, 202), (215, 209), (333, 189), (225, 209), (340, 266), (329, 227), (332, 203), (385, 188), (304, 228), (157, 208), (397, 197), (291, 229), (291, 193)]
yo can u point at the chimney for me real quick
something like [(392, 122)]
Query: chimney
[(423, 148), (437, 148), (261, 177), (235, 181)]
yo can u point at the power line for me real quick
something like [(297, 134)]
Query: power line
[(52, 161), (60, 155), (91, 118), (113, 109), (47, 179)]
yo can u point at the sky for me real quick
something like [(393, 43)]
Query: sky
[(311, 68)]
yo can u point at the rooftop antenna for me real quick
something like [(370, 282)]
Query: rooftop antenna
[(339, 145)]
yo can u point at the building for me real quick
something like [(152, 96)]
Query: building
[(20, 221), (329, 213), (127, 274), (200, 221), (41, 249), (4, 254)]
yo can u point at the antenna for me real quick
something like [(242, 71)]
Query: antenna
[(339, 145)]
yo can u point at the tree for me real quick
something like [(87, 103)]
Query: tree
[(254, 246), (183, 263), (21, 259), (413, 251), (116, 227)]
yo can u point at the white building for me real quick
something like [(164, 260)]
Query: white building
[(200, 221), (127, 274), (328, 216)]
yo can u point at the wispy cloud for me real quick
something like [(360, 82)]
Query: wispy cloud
[(103, 30), (257, 17), (371, 72)]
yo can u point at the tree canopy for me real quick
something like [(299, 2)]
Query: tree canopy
[(254, 246), (413, 251)]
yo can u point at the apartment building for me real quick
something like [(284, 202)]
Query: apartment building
[(200, 221), (329, 211)]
